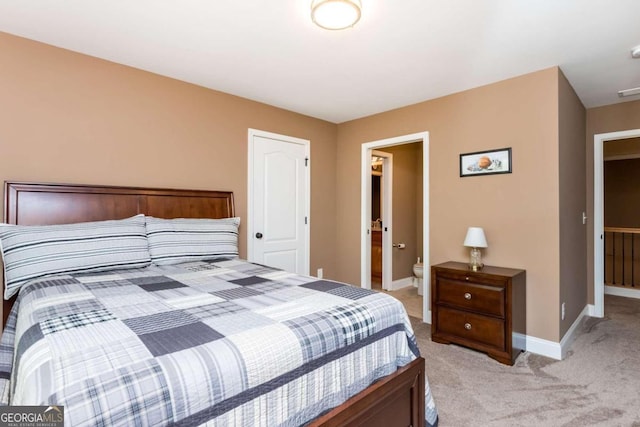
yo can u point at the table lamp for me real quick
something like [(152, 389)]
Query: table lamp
[(475, 240)]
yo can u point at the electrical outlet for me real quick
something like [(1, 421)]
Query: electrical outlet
[(562, 311), (320, 272)]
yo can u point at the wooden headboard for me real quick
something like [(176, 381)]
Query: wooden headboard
[(46, 204)]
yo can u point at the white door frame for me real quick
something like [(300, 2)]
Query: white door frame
[(293, 140), (598, 212), (365, 210), (386, 212)]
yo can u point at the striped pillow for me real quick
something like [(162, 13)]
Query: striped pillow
[(30, 251), (172, 241)]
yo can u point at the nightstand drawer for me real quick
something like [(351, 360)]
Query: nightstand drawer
[(473, 277), (468, 326), (471, 296)]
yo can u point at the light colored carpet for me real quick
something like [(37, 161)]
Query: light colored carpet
[(598, 384), (410, 299)]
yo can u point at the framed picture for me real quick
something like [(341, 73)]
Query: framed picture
[(485, 162)]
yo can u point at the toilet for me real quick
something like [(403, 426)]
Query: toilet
[(417, 272)]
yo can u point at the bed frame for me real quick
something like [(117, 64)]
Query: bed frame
[(396, 400)]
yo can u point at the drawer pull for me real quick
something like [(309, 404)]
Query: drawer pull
[(467, 326), (467, 295), (466, 278)]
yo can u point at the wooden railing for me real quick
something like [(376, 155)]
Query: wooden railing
[(622, 257)]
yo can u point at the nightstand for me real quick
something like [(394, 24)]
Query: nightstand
[(484, 310)]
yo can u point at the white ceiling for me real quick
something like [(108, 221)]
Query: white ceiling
[(401, 52)]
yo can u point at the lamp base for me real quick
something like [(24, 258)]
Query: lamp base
[(475, 260), (475, 267)]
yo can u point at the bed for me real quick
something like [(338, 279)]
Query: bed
[(216, 341)]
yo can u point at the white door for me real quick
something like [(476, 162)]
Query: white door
[(386, 215), (279, 201)]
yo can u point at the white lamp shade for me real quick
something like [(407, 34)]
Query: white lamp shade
[(475, 238)]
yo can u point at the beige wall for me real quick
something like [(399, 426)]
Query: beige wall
[(518, 211), (407, 208), (610, 118), (572, 175), (71, 118)]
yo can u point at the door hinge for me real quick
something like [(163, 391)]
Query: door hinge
[(306, 161), (305, 220)]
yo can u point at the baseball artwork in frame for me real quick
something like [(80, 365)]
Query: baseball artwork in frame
[(488, 162)]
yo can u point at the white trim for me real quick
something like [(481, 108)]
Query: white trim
[(365, 209), (401, 283), (252, 133), (570, 335), (365, 206), (553, 349), (544, 347), (387, 214), (622, 292), (598, 213)]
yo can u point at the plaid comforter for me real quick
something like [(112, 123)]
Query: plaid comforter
[(228, 343)]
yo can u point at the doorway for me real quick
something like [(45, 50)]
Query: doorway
[(279, 201), (365, 243), (598, 214)]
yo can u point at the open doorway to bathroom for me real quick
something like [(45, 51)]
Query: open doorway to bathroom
[(405, 226), (406, 204)]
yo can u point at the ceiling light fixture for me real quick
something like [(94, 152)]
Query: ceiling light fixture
[(635, 52), (335, 14), (629, 92)]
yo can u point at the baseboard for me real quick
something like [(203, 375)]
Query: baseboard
[(543, 347), (622, 292), (554, 350), (401, 283), (570, 335)]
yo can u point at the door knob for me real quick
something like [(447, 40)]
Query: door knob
[(258, 235)]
